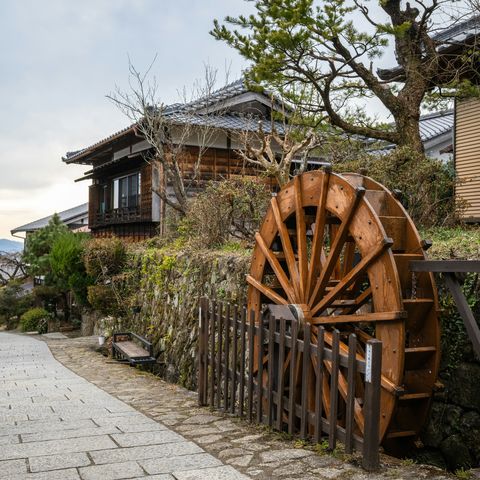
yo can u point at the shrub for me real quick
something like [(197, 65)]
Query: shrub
[(225, 210), (35, 319), (104, 257), (426, 184), (13, 303)]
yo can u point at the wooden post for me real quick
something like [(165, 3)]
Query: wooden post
[(251, 353), (241, 387), (202, 351), (271, 349), (371, 409), (226, 371), (292, 415), (281, 375), (234, 359), (332, 437), (319, 384), (305, 376), (261, 336), (351, 379), (212, 353), (219, 354)]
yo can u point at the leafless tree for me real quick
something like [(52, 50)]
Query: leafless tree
[(170, 129), (11, 267), (274, 152)]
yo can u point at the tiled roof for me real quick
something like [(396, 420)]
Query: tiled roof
[(458, 34), (432, 126), (435, 124), (182, 113), (70, 216)]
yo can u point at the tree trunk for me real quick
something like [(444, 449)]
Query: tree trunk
[(408, 127)]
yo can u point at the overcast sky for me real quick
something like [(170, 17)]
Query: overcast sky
[(59, 60)]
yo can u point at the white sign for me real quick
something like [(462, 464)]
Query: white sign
[(368, 364)]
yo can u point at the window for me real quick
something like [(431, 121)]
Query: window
[(126, 191)]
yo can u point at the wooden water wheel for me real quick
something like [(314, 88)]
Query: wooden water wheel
[(337, 247)]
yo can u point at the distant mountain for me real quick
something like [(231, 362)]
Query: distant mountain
[(10, 245)]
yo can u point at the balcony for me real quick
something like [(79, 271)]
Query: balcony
[(120, 215)]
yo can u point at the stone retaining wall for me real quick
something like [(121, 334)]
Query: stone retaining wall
[(167, 286)]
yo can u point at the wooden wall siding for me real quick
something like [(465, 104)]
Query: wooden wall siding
[(93, 202), (146, 192), (467, 156)]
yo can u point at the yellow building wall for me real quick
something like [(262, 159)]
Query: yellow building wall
[(467, 157)]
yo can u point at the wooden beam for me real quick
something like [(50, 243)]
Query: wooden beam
[(366, 317), (445, 266)]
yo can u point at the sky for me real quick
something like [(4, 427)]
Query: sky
[(60, 58)]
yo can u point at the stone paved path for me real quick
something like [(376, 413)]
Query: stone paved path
[(57, 425), (256, 452)]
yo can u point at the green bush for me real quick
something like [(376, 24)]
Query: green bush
[(35, 319), (13, 303), (426, 184), (102, 298), (104, 257)]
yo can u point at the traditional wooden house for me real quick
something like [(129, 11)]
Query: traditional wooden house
[(123, 198), (455, 44)]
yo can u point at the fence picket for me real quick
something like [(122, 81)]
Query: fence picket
[(271, 351), (261, 334), (234, 359), (251, 338), (226, 369), (241, 388), (212, 353), (319, 384), (281, 374), (219, 354), (332, 437), (350, 401), (291, 393)]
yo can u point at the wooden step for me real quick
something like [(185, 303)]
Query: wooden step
[(395, 228), (416, 357), (417, 309), (401, 434), (415, 396), (378, 199)]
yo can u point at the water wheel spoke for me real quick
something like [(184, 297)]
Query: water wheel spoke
[(348, 257), (267, 291), (317, 256), (287, 247), (336, 248), (301, 238), (351, 276), (277, 268)]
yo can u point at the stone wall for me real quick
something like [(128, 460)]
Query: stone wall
[(170, 285)]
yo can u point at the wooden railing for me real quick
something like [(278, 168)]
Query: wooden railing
[(233, 353), (118, 215)]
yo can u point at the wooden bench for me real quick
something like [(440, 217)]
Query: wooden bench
[(126, 348)]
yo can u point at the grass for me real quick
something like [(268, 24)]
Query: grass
[(462, 242), (463, 474)]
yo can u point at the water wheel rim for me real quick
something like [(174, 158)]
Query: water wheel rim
[(336, 197)]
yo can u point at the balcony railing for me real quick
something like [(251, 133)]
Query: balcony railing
[(119, 215)]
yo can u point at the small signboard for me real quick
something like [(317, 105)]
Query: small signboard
[(368, 363)]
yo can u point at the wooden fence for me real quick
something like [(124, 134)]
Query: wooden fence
[(231, 363)]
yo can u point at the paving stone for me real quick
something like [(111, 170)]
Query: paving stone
[(12, 467), (146, 438), (174, 464), (218, 473), (111, 471), (72, 433), (9, 439), (56, 462), (68, 474), (284, 455), (149, 451), (40, 426), (51, 447)]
